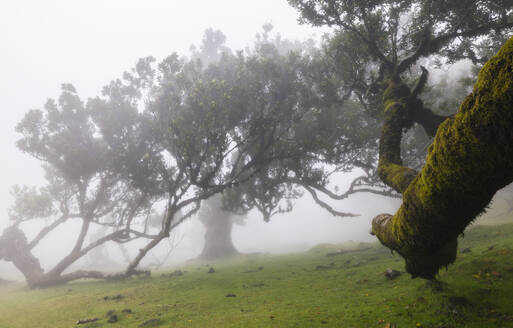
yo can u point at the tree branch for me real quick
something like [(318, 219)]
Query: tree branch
[(430, 45), (326, 206), (46, 230), (78, 253)]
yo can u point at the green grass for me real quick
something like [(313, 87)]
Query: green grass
[(349, 290)]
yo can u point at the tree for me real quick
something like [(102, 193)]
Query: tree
[(390, 38), (82, 185)]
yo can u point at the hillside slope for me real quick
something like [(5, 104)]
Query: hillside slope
[(346, 289)]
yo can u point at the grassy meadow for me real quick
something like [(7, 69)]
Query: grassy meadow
[(309, 289)]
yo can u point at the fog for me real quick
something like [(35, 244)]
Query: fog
[(88, 43)]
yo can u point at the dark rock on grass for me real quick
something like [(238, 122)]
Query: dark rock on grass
[(84, 321), (113, 298), (129, 311), (176, 273), (230, 295), (113, 318), (391, 274), (322, 267), (150, 323), (211, 270), (465, 251)]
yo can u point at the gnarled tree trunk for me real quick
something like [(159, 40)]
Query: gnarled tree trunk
[(218, 238), (15, 248), (470, 159)]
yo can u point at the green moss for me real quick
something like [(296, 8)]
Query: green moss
[(469, 160), (390, 167)]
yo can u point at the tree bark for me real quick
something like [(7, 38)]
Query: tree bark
[(218, 238), (15, 248), (470, 159)]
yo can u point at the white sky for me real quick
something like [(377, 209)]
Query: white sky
[(88, 43)]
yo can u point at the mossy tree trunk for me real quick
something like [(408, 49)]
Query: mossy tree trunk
[(470, 159)]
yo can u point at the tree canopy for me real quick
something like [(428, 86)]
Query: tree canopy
[(391, 38)]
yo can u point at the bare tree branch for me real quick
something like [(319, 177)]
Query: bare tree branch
[(326, 206)]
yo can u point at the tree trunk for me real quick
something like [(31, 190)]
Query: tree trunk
[(218, 238), (15, 248), (470, 159)]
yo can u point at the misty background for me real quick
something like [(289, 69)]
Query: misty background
[(89, 43)]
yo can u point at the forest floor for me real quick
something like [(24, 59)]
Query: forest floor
[(346, 289)]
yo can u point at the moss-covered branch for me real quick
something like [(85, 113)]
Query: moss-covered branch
[(469, 160), (396, 119)]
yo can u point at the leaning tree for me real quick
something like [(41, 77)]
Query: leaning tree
[(377, 45), (84, 187)]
